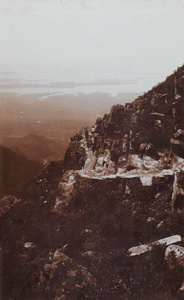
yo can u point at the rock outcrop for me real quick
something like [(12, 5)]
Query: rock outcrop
[(143, 135), (143, 138)]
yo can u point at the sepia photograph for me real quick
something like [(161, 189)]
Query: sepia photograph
[(91, 149)]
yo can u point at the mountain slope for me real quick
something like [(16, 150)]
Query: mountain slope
[(39, 148), (68, 237), (15, 171)]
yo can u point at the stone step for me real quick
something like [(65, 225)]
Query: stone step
[(147, 247)]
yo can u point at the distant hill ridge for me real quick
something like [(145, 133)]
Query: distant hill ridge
[(39, 148)]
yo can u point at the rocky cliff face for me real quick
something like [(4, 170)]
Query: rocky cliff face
[(141, 135)]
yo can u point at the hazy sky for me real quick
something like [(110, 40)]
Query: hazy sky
[(82, 40)]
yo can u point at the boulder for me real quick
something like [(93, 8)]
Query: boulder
[(29, 245), (69, 277), (134, 161), (7, 201), (151, 151), (174, 254)]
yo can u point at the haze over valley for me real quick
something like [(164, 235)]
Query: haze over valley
[(56, 118)]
